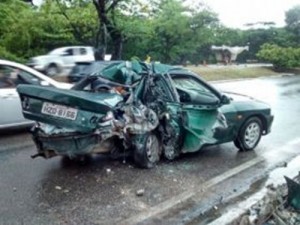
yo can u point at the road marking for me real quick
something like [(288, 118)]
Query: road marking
[(170, 203)]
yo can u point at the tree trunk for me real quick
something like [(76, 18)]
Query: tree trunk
[(101, 43), (107, 27), (117, 39)]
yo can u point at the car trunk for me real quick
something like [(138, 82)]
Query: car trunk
[(77, 110)]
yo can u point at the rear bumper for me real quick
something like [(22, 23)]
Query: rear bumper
[(70, 144)]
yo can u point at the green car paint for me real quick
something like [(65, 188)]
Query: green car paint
[(182, 110), (90, 107), (199, 127)]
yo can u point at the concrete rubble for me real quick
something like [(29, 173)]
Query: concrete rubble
[(269, 205), (271, 210)]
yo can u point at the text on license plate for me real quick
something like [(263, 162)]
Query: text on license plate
[(59, 111)]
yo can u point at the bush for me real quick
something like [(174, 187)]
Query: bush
[(4, 54), (281, 58)]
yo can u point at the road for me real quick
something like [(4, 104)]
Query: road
[(103, 191)]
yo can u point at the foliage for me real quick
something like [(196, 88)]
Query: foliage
[(293, 22), (7, 55), (26, 31), (170, 31), (282, 58), (179, 32)]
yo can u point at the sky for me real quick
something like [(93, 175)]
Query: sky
[(236, 13)]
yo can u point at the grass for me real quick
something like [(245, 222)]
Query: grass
[(214, 73), (231, 72)]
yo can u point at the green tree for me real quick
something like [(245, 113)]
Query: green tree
[(282, 58), (179, 32), (26, 31), (292, 19)]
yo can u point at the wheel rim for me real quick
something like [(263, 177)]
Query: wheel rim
[(152, 149), (252, 134), (51, 71)]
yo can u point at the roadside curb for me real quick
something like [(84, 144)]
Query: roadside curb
[(242, 211)]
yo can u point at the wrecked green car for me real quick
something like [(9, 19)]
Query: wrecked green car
[(143, 110)]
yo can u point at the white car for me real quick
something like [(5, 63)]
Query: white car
[(62, 59), (12, 74)]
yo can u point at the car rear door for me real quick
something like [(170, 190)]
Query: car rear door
[(11, 111), (10, 78), (68, 57), (83, 54)]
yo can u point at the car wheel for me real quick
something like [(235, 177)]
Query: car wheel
[(147, 150), (172, 143), (249, 135), (52, 70)]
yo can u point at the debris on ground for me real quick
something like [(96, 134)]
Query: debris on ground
[(280, 206), (140, 192), (58, 187)]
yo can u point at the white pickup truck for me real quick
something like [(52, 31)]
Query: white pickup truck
[(62, 59)]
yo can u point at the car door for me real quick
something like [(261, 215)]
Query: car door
[(83, 54), (203, 122), (158, 93), (68, 57), (11, 111)]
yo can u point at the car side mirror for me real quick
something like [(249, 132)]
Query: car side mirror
[(225, 100)]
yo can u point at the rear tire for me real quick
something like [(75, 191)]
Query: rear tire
[(52, 70), (249, 134), (146, 150)]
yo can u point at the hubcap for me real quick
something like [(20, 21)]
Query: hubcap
[(51, 71), (252, 134), (152, 149)]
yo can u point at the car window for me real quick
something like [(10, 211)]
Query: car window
[(189, 83), (191, 90), (10, 77), (68, 52), (28, 78), (6, 81), (82, 51)]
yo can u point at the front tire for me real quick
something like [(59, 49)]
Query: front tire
[(147, 150), (249, 135)]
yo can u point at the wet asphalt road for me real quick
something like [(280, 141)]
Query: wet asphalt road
[(103, 191)]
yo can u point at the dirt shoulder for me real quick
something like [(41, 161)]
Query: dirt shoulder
[(215, 73)]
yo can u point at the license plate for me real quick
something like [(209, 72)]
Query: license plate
[(59, 111)]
